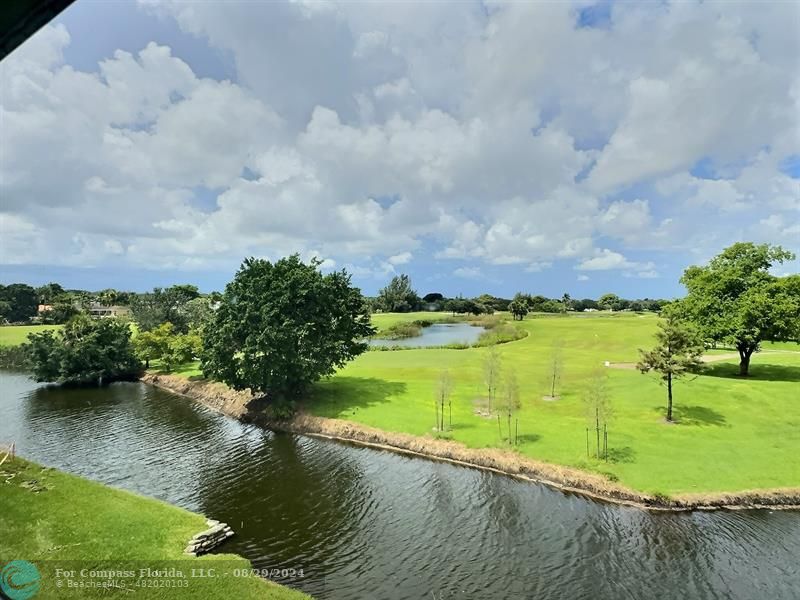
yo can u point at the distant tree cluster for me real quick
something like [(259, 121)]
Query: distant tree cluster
[(400, 296), (166, 305)]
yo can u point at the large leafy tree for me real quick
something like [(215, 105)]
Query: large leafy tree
[(736, 300), (18, 302), (84, 351), (678, 353), (398, 296), (172, 349), (282, 326)]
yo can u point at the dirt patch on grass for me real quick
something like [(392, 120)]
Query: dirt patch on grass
[(240, 405)]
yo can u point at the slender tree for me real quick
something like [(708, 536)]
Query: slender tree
[(597, 405), (565, 302), (491, 374), (555, 368), (510, 401), (678, 353), (443, 397)]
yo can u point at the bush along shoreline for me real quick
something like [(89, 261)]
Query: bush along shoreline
[(219, 397)]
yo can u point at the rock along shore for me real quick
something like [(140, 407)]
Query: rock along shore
[(221, 398), (207, 540)]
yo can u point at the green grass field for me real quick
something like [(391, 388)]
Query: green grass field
[(56, 520), (13, 335), (732, 434)]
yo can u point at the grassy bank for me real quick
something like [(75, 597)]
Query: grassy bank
[(54, 519), (732, 434)]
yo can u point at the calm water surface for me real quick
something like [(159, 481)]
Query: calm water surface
[(370, 524), (438, 334)]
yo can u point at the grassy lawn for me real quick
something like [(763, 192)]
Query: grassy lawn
[(732, 434), (13, 335), (56, 520)]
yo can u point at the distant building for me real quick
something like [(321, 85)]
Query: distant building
[(43, 308), (105, 312)]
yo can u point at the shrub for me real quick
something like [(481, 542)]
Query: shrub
[(500, 334), (399, 331), (15, 357)]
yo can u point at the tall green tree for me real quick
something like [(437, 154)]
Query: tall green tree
[(281, 326), (85, 351), (48, 293), (164, 344), (734, 299), (678, 353), (153, 344), (18, 302), (566, 301), (108, 297), (398, 296), (519, 306)]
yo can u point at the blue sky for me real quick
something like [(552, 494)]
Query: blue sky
[(580, 147)]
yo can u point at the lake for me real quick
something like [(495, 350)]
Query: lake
[(364, 523), (438, 334)]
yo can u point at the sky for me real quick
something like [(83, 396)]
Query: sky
[(543, 147)]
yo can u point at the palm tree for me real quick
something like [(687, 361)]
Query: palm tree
[(565, 300)]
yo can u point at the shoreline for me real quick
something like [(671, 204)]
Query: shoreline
[(225, 400)]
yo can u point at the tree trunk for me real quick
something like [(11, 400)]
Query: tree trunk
[(587, 442), (669, 397), (745, 352), (597, 431)]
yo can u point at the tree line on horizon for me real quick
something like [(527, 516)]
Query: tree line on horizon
[(308, 323), (400, 296), (20, 302)]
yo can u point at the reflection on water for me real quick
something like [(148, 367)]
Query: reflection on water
[(438, 334), (370, 524)]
